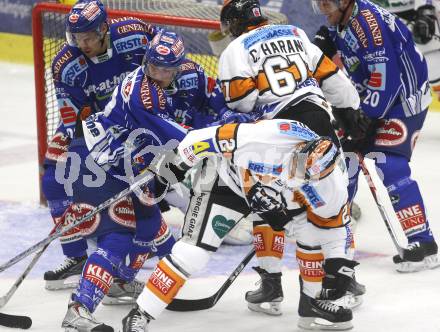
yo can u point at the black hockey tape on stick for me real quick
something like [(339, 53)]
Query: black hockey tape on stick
[(14, 321), (144, 178), (209, 302), (380, 206)]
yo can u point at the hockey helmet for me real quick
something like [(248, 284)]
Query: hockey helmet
[(238, 15), (85, 16), (164, 56), (165, 50), (315, 159), (327, 6)]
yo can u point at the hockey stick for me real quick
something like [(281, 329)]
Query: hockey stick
[(209, 302), (145, 177), (5, 298), (380, 206), (15, 321)]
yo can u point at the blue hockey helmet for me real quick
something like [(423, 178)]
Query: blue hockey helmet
[(85, 16), (165, 50), (327, 6)]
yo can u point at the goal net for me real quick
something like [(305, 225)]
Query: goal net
[(193, 21)]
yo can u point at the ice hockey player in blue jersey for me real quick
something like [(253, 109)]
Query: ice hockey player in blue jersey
[(98, 56), (111, 155), (391, 76)]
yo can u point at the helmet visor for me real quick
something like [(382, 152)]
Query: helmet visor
[(162, 74), (324, 7)]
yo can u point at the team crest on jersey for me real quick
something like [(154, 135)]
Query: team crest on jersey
[(391, 132), (126, 89), (122, 212)]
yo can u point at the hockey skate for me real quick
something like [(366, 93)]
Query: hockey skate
[(66, 275), (136, 321), (266, 299), (353, 298), (79, 319), (122, 292), (418, 256), (324, 315)]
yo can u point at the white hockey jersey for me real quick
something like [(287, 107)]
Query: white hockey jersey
[(262, 152), (274, 66)]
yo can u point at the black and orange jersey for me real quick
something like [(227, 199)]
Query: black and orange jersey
[(264, 153), (275, 65)]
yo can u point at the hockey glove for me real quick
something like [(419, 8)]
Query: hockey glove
[(228, 116), (324, 42), (355, 123), (339, 273), (424, 25), (169, 168)]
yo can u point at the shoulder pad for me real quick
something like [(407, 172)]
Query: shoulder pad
[(68, 64), (367, 26), (152, 96), (188, 65), (130, 25)]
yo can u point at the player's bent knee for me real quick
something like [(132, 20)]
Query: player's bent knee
[(190, 257)]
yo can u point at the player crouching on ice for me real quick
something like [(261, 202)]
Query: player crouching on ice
[(273, 169)]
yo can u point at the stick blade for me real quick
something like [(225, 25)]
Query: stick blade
[(15, 321), (191, 305)]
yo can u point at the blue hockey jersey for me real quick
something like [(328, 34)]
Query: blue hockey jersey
[(195, 97), (383, 62), (137, 116), (85, 85)]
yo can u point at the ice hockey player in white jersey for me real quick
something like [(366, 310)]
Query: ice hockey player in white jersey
[(281, 172), (277, 71), (422, 18)]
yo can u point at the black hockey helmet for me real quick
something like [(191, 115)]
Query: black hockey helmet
[(238, 15)]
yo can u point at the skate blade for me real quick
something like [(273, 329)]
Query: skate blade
[(428, 263), (268, 308), (108, 300), (70, 282), (320, 324)]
